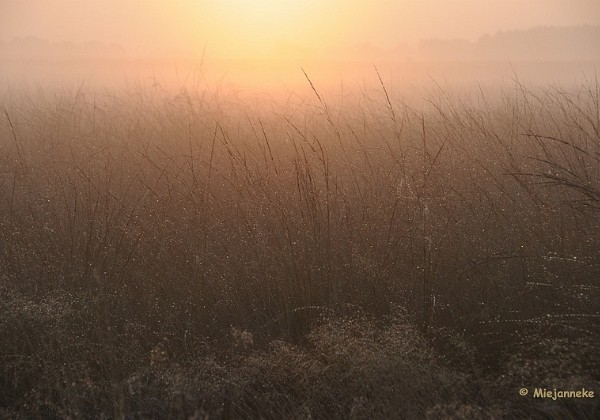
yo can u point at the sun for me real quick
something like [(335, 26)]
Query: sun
[(257, 27), (267, 12)]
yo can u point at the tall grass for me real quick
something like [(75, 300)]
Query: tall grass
[(144, 226)]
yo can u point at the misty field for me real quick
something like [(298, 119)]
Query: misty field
[(199, 254)]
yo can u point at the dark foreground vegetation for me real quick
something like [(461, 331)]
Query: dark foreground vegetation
[(197, 255)]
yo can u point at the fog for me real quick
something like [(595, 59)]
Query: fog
[(239, 27), (249, 46), (299, 209)]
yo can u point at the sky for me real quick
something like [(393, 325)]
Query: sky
[(266, 27)]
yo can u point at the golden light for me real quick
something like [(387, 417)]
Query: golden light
[(260, 27), (267, 14)]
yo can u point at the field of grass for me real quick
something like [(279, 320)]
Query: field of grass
[(196, 254)]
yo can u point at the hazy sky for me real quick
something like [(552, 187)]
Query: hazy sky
[(257, 26)]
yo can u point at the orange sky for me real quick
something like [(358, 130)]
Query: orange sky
[(266, 27)]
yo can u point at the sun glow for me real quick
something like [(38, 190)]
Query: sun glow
[(266, 27), (267, 12)]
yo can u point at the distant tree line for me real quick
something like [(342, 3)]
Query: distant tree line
[(568, 43), (32, 47)]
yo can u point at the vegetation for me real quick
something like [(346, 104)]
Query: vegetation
[(198, 254)]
